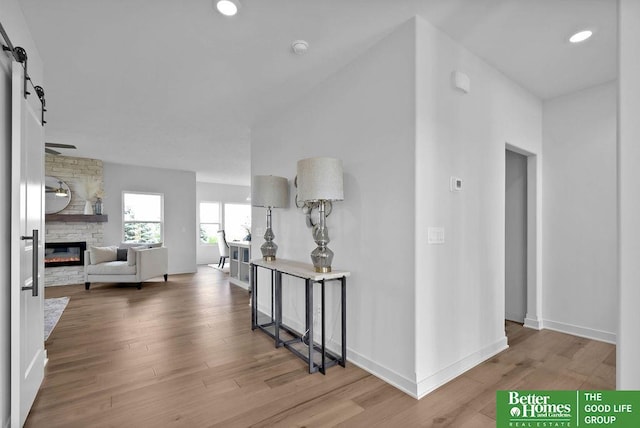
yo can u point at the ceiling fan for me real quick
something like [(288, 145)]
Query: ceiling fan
[(57, 146)]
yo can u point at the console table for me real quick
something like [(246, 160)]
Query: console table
[(301, 345)]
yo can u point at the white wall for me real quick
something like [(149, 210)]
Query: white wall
[(179, 189), (363, 114), (460, 285), (425, 313), (16, 27), (213, 192), (579, 213), (628, 351), (516, 237)]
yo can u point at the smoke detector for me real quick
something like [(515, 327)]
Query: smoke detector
[(299, 47)]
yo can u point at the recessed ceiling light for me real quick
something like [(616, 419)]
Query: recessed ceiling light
[(228, 7), (581, 36)]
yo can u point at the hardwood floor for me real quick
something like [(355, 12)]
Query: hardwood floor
[(182, 353)]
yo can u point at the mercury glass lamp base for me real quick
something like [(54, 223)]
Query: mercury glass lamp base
[(321, 258), (269, 248)]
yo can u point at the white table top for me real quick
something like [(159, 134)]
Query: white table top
[(243, 244), (300, 269)]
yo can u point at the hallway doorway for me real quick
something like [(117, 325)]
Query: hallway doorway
[(515, 236)]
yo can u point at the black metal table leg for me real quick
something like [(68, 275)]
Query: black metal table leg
[(343, 286), (324, 349), (278, 306), (272, 295), (252, 282), (309, 293)]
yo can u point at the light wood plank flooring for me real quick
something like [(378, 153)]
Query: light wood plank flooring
[(182, 353)]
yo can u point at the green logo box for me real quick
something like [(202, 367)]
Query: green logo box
[(545, 409)]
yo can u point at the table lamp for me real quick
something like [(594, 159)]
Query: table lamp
[(320, 180), (270, 192)]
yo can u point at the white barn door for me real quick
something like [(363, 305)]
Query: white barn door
[(27, 244)]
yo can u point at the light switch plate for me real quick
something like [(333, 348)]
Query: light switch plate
[(455, 184), (435, 235)]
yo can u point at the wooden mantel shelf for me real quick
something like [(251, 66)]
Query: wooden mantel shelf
[(77, 218)]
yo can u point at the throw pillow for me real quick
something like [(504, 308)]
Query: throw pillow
[(131, 254), (103, 254), (122, 254)]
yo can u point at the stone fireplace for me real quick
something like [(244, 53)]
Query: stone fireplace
[(60, 231)]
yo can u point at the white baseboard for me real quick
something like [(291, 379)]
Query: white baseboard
[(575, 330), (533, 323), (389, 376), (438, 379), (404, 384)]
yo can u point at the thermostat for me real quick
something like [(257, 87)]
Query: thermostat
[(461, 81)]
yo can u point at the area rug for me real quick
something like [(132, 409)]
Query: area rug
[(225, 269), (53, 309)]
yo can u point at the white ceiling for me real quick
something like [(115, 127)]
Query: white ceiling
[(174, 84)]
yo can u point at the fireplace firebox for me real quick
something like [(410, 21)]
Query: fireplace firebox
[(64, 254)]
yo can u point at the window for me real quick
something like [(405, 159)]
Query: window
[(142, 217), (237, 221), (209, 222)]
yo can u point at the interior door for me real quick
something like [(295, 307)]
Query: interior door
[(515, 237), (27, 243)]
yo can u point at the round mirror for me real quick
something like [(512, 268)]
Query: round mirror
[(57, 195)]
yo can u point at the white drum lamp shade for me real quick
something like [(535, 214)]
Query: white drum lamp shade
[(320, 179), (269, 191)]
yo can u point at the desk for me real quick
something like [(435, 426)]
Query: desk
[(275, 328)]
